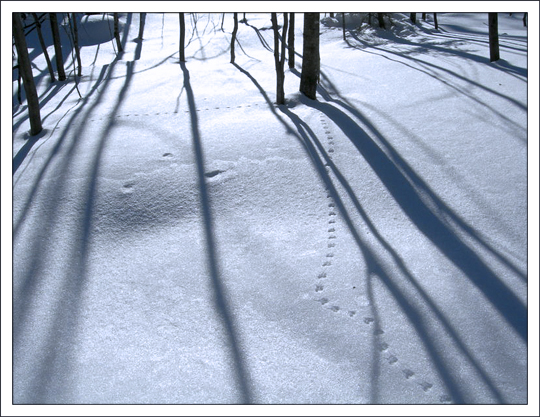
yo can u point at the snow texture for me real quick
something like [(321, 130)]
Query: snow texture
[(180, 239)]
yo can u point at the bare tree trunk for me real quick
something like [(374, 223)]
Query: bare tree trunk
[(273, 18), (233, 39), (25, 69), (436, 22), (291, 40), (343, 14), (331, 14), (182, 37), (117, 33), (57, 47), (413, 18), (525, 19), (311, 62), (280, 60), (142, 20), (493, 37), (44, 47), (380, 16), (76, 44), (222, 20), (19, 80), (424, 15)]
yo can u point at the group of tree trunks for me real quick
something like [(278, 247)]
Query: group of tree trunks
[(309, 77), (283, 42), (424, 17), (24, 65)]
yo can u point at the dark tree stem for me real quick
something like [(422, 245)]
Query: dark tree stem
[(57, 47), (25, 70), (280, 60), (291, 40), (44, 47), (311, 58), (182, 37), (117, 33), (493, 37), (380, 16), (76, 44), (142, 20), (233, 39)]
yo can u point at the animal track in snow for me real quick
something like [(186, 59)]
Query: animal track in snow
[(213, 173), (408, 373), (127, 188), (426, 386), (174, 112), (392, 359), (388, 355)]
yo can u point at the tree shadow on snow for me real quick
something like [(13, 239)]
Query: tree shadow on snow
[(51, 379), (416, 199), (408, 190), (448, 77), (376, 269), (220, 296)]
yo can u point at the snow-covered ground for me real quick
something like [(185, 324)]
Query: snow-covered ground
[(179, 238)]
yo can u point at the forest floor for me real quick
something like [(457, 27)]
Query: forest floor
[(178, 238)]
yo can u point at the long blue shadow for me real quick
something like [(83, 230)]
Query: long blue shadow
[(412, 203), (320, 159), (220, 297), (413, 177), (47, 386)]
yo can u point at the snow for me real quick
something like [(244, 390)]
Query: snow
[(178, 238)]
